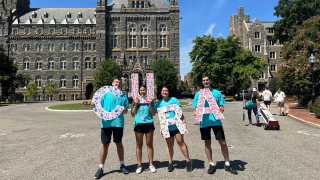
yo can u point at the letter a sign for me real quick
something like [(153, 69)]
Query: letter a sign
[(205, 94)]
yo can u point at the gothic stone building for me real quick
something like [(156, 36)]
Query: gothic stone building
[(66, 45), (256, 36)]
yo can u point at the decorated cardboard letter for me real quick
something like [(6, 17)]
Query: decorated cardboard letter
[(98, 109), (135, 87), (164, 122), (213, 106)]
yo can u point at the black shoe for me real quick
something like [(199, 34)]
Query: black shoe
[(211, 169), (170, 167), (189, 166), (283, 114), (230, 169), (124, 169), (99, 173)]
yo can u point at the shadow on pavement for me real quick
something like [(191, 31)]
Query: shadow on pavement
[(236, 164)]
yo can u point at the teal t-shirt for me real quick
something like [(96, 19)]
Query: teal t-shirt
[(171, 114), (143, 114), (109, 102), (208, 119)]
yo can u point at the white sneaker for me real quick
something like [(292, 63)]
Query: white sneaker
[(139, 169), (152, 168)]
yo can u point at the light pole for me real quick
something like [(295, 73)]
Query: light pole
[(312, 60), (43, 92), (81, 67)]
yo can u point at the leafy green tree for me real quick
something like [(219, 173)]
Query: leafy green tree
[(108, 70), (292, 13), (51, 88), (33, 91), (183, 88), (274, 84), (225, 61), (295, 71), (165, 74)]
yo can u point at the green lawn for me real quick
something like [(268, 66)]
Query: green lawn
[(77, 106), (183, 103)]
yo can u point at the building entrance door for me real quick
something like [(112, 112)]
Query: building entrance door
[(89, 91)]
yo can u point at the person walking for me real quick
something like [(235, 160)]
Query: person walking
[(115, 127), (143, 125), (209, 122), (252, 96), (280, 99), (174, 132), (266, 97)]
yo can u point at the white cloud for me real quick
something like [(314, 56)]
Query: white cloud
[(209, 30), (217, 6)]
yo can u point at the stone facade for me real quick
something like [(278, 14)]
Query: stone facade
[(257, 37), (66, 45)]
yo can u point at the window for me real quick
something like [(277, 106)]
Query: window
[(34, 15), (15, 31), (163, 36), (26, 64), (27, 31), (73, 46), (38, 64), (63, 63), (64, 31), (63, 47), (86, 47), (133, 4), (113, 36), (75, 63), (88, 64), (76, 31), (26, 47), (272, 55), (45, 15), (142, 4), (80, 15), (146, 59), (281, 54), (38, 81), (39, 31), (134, 59), (95, 63), (38, 47), (69, 15), (138, 4), (115, 58), (144, 36), (77, 46), (257, 48), (141, 59), (88, 31), (63, 82), (51, 31), (89, 47), (94, 47), (51, 64), (270, 30), (133, 36), (262, 76), (50, 79), (75, 81), (51, 47), (14, 47), (270, 42), (273, 68), (257, 35)]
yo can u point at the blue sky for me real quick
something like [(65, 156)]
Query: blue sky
[(199, 17)]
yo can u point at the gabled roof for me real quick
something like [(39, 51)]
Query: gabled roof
[(159, 4), (264, 23)]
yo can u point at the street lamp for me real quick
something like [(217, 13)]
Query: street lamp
[(312, 60), (43, 92)]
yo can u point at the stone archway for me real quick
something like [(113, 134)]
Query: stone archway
[(261, 87), (89, 91)]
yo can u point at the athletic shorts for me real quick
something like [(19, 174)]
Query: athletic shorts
[(174, 132), (107, 132), (218, 132), (267, 103), (144, 128), (280, 102)]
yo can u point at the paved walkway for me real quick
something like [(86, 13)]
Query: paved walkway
[(300, 113)]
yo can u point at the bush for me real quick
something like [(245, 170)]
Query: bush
[(316, 107), (130, 99), (304, 100), (309, 105)]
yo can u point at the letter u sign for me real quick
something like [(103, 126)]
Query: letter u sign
[(135, 87)]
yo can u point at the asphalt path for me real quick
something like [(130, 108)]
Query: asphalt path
[(39, 144)]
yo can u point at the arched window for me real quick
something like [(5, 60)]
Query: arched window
[(51, 64), (73, 46), (144, 28), (26, 64), (28, 47), (27, 31), (146, 60), (39, 31), (88, 63), (163, 36), (64, 31), (88, 31), (38, 64), (63, 63), (86, 47), (38, 81), (75, 81), (94, 47), (144, 36), (133, 36), (15, 31), (80, 15), (51, 31), (94, 63), (50, 79), (75, 63), (63, 82), (77, 46), (134, 59), (113, 36), (76, 31)]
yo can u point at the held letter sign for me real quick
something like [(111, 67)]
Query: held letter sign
[(98, 109), (213, 106), (135, 87), (164, 122)]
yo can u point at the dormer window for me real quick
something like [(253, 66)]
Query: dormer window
[(45, 15), (80, 15), (94, 15), (69, 15), (34, 15)]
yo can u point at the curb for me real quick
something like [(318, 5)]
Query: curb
[(301, 120)]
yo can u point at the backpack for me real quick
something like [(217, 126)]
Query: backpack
[(248, 105)]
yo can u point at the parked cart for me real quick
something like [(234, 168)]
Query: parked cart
[(268, 118)]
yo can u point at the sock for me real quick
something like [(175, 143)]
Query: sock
[(212, 164), (227, 163), (121, 162), (101, 166)]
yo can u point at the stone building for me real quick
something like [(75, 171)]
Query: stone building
[(66, 45), (256, 36)]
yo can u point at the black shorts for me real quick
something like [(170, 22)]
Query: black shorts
[(107, 132), (174, 132), (218, 132), (144, 128), (267, 103)]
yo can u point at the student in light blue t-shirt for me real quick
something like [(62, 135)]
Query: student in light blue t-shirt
[(209, 122), (174, 132), (143, 125)]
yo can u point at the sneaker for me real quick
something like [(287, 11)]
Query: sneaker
[(152, 168), (250, 124), (283, 114), (230, 169), (124, 169), (189, 166), (139, 169), (258, 123), (170, 167), (99, 173), (211, 169)]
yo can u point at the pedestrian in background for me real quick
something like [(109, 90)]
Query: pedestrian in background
[(252, 96), (266, 97), (280, 99)]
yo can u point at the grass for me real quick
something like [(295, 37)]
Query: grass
[(229, 97), (77, 106), (183, 103)]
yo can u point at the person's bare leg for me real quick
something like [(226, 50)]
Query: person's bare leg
[(279, 106), (120, 151), (207, 144), (282, 108), (183, 146), (268, 107), (104, 153), (139, 140), (224, 149), (149, 141), (170, 143)]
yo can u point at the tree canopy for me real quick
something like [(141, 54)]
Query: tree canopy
[(225, 61), (292, 13), (165, 74), (33, 91), (108, 70), (295, 71)]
